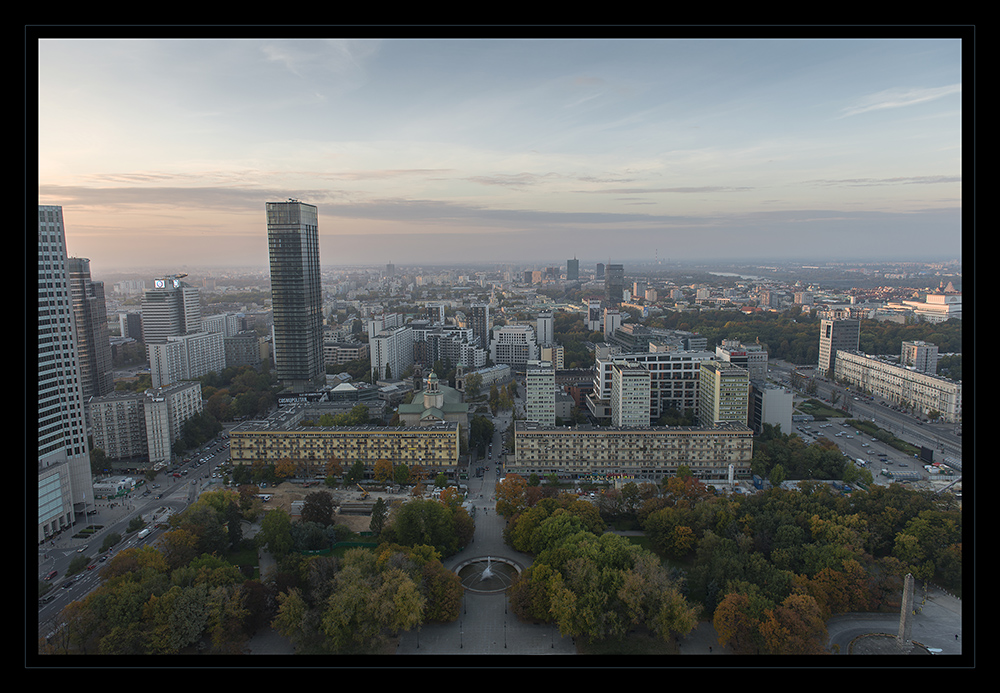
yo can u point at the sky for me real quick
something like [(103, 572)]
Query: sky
[(163, 152)]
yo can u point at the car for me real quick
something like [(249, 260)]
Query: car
[(46, 599), (82, 548)]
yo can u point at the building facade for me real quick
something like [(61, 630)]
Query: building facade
[(718, 452), (752, 357), (540, 393), (673, 381), (923, 392), (435, 448), (723, 393), (296, 294), (835, 335), (921, 356), (93, 340), (614, 285), (65, 484), (630, 395), (514, 345)]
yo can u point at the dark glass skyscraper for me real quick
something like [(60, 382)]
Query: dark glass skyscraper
[(572, 270), (614, 285), (296, 298)]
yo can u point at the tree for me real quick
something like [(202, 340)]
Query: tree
[(382, 471), (511, 495), (401, 474), (380, 513), (318, 507)]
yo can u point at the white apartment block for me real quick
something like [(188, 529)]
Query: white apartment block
[(226, 323), (712, 453), (629, 395), (924, 392), (612, 321), (337, 353), (392, 348), (540, 393), (185, 357), (165, 410), (514, 345), (141, 427), (673, 380)]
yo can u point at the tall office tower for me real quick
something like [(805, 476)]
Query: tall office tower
[(599, 273), (572, 270), (630, 394), (390, 270), (723, 393), (170, 309), (93, 342), (296, 295), (614, 285), (540, 393), (65, 485), (921, 356), (545, 328), (481, 324), (835, 335)]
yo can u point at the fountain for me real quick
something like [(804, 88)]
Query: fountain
[(483, 575)]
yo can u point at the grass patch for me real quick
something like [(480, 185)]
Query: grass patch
[(820, 411)]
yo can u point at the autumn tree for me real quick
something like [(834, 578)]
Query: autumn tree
[(382, 471), (511, 495)]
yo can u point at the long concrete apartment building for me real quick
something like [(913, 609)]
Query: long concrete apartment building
[(891, 382), (715, 452)]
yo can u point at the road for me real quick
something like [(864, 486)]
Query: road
[(164, 496)]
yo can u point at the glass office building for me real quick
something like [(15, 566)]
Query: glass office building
[(296, 297)]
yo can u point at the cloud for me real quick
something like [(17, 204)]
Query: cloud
[(903, 180), (899, 98)]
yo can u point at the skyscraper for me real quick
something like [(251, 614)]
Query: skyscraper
[(572, 270), (93, 342), (296, 298), (481, 324), (614, 285), (65, 485)]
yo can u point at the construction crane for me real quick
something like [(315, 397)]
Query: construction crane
[(364, 493)]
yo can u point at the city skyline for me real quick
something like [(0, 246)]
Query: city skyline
[(448, 150)]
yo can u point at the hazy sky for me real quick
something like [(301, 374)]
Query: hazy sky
[(165, 151)]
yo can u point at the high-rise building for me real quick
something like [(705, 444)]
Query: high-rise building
[(481, 324), (836, 335), (296, 294), (65, 484), (93, 341), (599, 271), (630, 391), (921, 356), (723, 393), (612, 321), (572, 270), (545, 328), (614, 285), (170, 309), (540, 393)]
